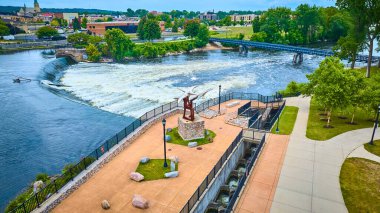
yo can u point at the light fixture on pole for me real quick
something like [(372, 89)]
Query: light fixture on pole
[(163, 124), (220, 88), (375, 126)]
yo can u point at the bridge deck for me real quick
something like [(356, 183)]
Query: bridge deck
[(289, 48)]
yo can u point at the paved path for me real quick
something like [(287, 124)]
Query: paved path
[(361, 152), (260, 188), (309, 179)]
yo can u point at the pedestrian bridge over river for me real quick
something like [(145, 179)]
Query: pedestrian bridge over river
[(299, 51)]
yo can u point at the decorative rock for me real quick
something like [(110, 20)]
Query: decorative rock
[(172, 166), (210, 139), (136, 176), (174, 158), (169, 130), (172, 174), (140, 202), (168, 138), (207, 132), (192, 144), (106, 205), (144, 160)]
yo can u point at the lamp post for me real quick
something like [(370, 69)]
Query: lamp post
[(220, 88), (163, 124), (375, 126)]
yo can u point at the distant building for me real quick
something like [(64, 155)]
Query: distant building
[(69, 17), (155, 13), (211, 16), (100, 28), (29, 11), (246, 18), (46, 17)]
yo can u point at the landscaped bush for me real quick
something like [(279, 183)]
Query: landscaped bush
[(293, 89), (43, 177)]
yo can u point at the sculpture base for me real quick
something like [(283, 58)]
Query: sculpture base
[(191, 130)]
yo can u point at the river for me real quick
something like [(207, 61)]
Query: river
[(42, 130)]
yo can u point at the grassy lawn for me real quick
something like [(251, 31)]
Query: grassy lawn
[(315, 126), (154, 169), (177, 139), (359, 181), (233, 32), (287, 120), (374, 149)]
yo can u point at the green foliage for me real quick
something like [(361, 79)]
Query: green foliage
[(4, 30), (152, 50), (374, 149), (84, 23), (118, 43), (109, 19), (140, 28), (259, 37), (42, 176), (54, 23), (96, 40), (293, 89), (61, 22), (226, 21), (93, 53), (46, 32), (76, 24), (78, 39), (152, 30), (203, 36), (191, 28), (329, 85), (256, 24), (348, 47), (147, 50), (240, 36), (175, 26)]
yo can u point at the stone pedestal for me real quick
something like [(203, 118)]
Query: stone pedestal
[(190, 130)]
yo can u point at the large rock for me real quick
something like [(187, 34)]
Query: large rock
[(144, 160), (172, 166), (140, 202), (106, 205), (192, 144), (168, 138), (136, 176), (37, 186), (172, 174), (174, 158)]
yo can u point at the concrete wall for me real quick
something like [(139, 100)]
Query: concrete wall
[(220, 179)]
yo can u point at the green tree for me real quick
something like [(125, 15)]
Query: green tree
[(140, 28), (109, 19), (76, 24), (78, 39), (348, 48), (191, 28), (54, 23), (329, 85), (118, 43), (93, 53), (259, 37), (309, 19), (4, 30), (95, 40), (276, 24), (203, 36), (256, 24), (175, 26), (84, 23), (46, 32), (339, 26), (152, 30), (227, 21), (356, 90), (366, 14)]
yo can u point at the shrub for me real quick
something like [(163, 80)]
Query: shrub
[(46, 32), (293, 89), (42, 176), (78, 39), (93, 53)]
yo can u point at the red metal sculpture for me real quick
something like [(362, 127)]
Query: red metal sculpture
[(188, 97)]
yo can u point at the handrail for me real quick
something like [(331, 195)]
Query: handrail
[(305, 50)]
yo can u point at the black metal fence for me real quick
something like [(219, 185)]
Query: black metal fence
[(242, 180), (269, 123), (73, 170), (243, 108), (204, 185)]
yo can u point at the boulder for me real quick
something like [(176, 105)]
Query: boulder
[(169, 130), (106, 205), (144, 160), (168, 138), (37, 186), (207, 132), (172, 174), (192, 144), (140, 202), (174, 158), (172, 166), (136, 176)]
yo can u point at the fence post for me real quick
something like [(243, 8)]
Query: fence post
[(97, 155), (55, 186), (38, 203), (107, 146), (71, 174)]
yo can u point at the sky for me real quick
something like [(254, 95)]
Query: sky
[(167, 5)]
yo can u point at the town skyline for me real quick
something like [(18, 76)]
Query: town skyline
[(206, 5)]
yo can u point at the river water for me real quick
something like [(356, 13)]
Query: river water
[(42, 129)]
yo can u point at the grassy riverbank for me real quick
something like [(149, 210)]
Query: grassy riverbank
[(233, 32), (287, 120)]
